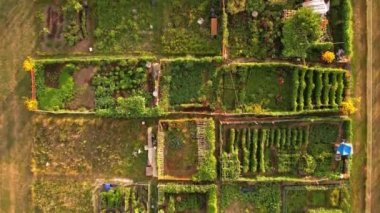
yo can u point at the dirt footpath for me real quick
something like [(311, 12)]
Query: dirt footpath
[(359, 68), (17, 38), (375, 179)]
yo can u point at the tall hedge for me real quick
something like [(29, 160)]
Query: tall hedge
[(255, 137), (310, 88), (318, 89), (263, 137)]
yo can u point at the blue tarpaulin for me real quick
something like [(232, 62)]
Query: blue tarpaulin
[(345, 149), (107, 186)]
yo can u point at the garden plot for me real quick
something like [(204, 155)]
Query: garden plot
[(64, 26), (187, 83), (111, 86), (250, 198), (85, 146), (123, 198), (322, 198), (281, 87), (62, 195), (187, 198), (166, 27), (259, 38), (266, 149), (185, 150)]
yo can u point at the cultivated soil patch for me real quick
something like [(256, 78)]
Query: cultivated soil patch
[(180, 150), (85, 95)]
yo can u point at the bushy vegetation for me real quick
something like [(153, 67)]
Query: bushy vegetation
[(125, 198), (210, 191), (340, 16), (259, 37), (188, 82), (316, 199), (62, 195), (258, 198), (291, 148), (155, 26), (75, 28), (300, 31), (55, 98)]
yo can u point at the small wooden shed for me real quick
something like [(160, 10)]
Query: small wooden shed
[(214, 26)]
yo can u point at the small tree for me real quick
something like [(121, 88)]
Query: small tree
[(328, 57), (236, 6), (349, 106), (28, 64), (300, 31), (31, 104)]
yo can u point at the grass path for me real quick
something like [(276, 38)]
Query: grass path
[(374, 68), (17, 40), (359, 68)]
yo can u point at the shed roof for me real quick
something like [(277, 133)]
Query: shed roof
[(318, 6)]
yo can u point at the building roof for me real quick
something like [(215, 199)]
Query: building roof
[(318, 6), (214, 26)]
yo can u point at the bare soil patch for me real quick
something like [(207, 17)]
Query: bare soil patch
[(238, 207), (52, 74), (85, 95)]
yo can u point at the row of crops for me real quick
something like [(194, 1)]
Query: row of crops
[(318, 90), (288, 149)]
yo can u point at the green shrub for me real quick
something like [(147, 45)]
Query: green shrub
[(316, 49), (326, 89), (299, 32), (134, 106), (261, 151), (230, 165), (310, 87), (253, 154), (55, 98), (236, 6), (318, 89)]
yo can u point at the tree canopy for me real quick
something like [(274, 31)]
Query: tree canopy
[(300, 32)]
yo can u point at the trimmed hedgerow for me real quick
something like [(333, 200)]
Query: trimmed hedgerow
[(207, 168)]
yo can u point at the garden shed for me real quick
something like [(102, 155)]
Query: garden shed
[(318, 6), (214, 26)]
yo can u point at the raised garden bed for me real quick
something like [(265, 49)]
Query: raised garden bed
[(272, 149), (185, 150)]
